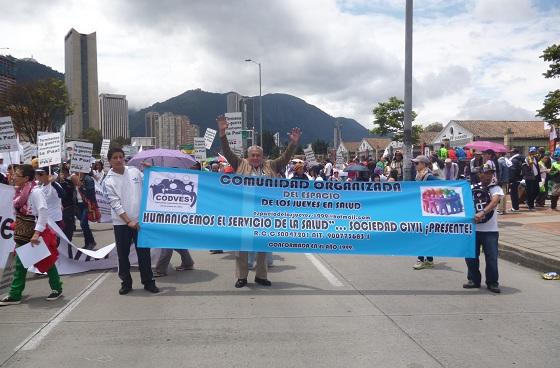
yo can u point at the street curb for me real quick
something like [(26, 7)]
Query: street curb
[(527, 258)]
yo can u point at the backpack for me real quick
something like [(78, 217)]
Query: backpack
[(481, 197)]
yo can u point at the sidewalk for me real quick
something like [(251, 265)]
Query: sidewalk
[(531, 239)]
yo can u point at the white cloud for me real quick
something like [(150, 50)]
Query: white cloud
[(479, 108), (343, 56)]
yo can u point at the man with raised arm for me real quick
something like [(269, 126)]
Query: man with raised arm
[(255, 165)]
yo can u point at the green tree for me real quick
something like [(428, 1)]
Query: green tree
[(40, 105), (550, 111), (93, 136), (320, 147), (119, 142), (434, 127), (389, 119)]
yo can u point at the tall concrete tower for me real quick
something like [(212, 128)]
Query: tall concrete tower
[(80, 60)]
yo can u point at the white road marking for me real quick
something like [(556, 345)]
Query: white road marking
[(324, 270), (33, 340)]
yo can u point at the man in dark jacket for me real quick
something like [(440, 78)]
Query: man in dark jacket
[(532, 176), (515, 178)]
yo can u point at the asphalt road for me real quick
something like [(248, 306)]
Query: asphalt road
[(321, 311)]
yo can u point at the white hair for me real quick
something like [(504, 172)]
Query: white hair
[(255, 148)]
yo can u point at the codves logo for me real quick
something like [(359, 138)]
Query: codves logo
[(174, 191)]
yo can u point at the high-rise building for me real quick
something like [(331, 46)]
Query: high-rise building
[(80, 61), (113, 111), (151, 119), (233, 99), (7, 76), (167, 129), (170, 130)]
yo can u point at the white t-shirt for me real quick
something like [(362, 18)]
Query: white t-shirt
[(54, 203), (124, 192), (37, 206), (492, 224), (328, 169)]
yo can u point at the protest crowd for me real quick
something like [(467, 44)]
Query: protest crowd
[(57, 193)]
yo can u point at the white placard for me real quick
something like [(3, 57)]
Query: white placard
[(105, 148), (209, 137), (63, 140), (339, 161), (102, 203), (8, 137), (81, 158), (130, 150), (29, 254), (7, 217), (233, 132), (28, 150), (49, 149), (200, 148), (310, 156)]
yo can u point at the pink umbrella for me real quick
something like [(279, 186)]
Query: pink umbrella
[(485, 145), (163, 157)]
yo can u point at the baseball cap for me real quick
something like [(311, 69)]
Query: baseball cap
[(42, 169), (532, 149), (487, 168), (421, 158), (448, 160)]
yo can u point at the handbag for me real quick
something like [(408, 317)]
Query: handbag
[(93, 212)]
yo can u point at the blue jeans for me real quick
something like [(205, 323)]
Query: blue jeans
[(489, 242), (84, 224), (252, 255)]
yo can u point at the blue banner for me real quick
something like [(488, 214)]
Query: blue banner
[(198, 210)]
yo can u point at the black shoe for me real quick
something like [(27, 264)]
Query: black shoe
[(263, 282), (471, 285), (215, 251), (54, 295), (125, 290), (9, 301), (152, 288), (494, 288), (240, 283)]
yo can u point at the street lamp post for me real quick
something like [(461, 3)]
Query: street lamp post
[(260, 99)]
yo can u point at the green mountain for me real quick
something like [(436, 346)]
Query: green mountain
[(28, 70), (281, 112)]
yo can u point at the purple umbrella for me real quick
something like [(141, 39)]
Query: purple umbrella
[(484, 145), (163, 157)]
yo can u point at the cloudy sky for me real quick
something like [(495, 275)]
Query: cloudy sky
[(473, 59)]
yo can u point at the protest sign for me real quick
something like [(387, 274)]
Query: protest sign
[(105, 149), (30, 254), (6, 237), (209, 137), (8, 137), (246, 213), (49, 149), (130, 150), (310, 156), (102, 203), (28, 152), (339, 161), (81, 157), (233, 132), (200, 148)]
